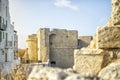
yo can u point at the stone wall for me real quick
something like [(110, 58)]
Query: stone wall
[(62, 45), (31, 45), (84, 41), (57, 46), (115, 17), (43, 44)]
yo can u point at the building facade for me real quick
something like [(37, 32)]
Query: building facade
[(31, 45), (8, 39), (55, 46)]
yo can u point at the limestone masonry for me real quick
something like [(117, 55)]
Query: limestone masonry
[(31, 45), (104, 48), (115, 16), (55, 46)]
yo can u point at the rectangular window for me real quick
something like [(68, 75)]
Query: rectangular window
[(0, 21), (6, 23), (6, 11), (14, 43), (0, 36), (10, 43), (3, 35), (5, 57), (3, 20), (6, 39)]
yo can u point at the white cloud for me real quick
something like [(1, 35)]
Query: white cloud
[(65, 3)]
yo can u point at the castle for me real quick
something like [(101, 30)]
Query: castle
[(55, 46)]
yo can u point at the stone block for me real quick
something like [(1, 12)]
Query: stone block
[(108, 37), (90, 61), (111, 72)]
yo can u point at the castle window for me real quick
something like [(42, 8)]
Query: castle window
[(51, 43), (79, 43), (66, 36)]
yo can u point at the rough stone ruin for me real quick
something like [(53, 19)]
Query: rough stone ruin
[(105, 47), (115, 17)]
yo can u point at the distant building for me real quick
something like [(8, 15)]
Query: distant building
[(31, 45), (84, 41), (55, 46), (8, 39), (58, 46)]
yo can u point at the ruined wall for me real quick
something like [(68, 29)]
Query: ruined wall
[(84, 41), (43, 44), (62, 45), (31, 45), (105, 47), (115, 16)]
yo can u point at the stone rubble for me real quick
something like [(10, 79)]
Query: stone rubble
[(48, 73), (111, 72)]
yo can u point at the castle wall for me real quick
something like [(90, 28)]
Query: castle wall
[(57, 46), (43, 44), (84, 41), (31, 45), (62, 45)]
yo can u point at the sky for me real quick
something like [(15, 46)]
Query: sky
[(85, 16)]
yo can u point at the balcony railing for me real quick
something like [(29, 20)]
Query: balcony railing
[(3, 26)]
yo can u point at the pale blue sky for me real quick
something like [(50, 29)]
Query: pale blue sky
[(82, 15)]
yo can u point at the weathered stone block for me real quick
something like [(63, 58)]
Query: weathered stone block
[(108, 37), (90, 61), (111, 72), (115, 12)]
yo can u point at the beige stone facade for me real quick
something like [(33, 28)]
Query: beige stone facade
[(43, 44), (62, 45), (55, 46), (31, 45)]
